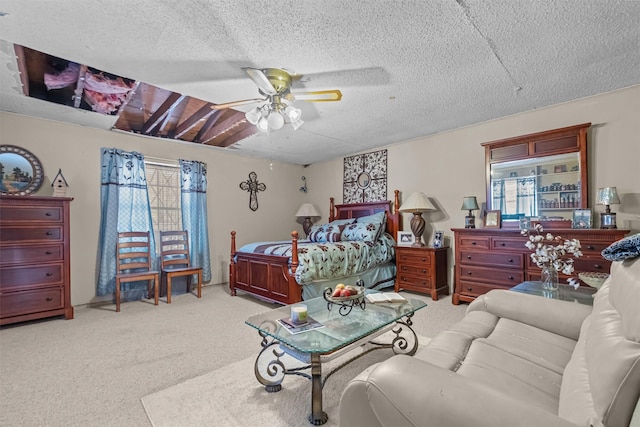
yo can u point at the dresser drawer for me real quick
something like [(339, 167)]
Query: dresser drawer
[(17, 303), (31, 254), (29, 214), (592, 248), (506, 243), (469, 242), (473, 289), (582, 264), (32, 234), (31, 275), (415, 259), (491, 258), (498, 276)]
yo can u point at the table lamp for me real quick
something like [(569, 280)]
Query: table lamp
[(608, 196), (416, 204), (470, 204), (306, 211)]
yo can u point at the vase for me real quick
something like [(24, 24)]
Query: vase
[(549, 278)]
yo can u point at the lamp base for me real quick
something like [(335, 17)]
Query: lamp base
[(469, 221), (306, 225), (608, 220), (417, 227)]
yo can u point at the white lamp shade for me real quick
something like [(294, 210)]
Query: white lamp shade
[(608, 196), (275, 120), (417, 202), (307, 210)]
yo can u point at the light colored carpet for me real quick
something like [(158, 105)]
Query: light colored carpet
[(232, 397)]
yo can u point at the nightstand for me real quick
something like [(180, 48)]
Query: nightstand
[(422, 269)]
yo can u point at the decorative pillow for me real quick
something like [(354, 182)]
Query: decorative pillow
[(366, 231), (626, 248), (343, 221), (325, 233), (379, 218)]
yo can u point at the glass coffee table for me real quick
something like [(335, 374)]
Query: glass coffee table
[(582, 295), (338, 334)]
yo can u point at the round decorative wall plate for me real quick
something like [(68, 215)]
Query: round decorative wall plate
[(21, 172)]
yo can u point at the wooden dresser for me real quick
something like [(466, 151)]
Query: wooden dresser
[(489, 258), (422, 269), (34, 258)]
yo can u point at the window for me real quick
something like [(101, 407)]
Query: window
[(163, 183)]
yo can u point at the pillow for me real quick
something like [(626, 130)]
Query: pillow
[(377, 218), (366, 231), (626, 248), (343, 221), (325, 233)]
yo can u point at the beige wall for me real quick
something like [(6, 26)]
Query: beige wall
[(446, 167), (449, 166), (76, 150)]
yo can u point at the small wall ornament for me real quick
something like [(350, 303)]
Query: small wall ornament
[(253, 186), (59, 185)]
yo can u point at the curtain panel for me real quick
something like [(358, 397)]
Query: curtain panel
[(193, 178), (124, 206)]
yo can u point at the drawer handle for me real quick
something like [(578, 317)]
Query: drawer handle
[(49, 252), (424, 259), (503, 244), (510, 260), (468, 256), (49, 233), (590, 247), (597, 266), (473, 243), (48, 214), (424, 282), (424, 270), (49, 274), (469, 273), (469, 288), (510, 277), (49, 299)]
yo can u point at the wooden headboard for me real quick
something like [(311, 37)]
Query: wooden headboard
[(356, 210)]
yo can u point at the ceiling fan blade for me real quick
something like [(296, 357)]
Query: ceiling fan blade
[(261, 80), (316, 96), (236, 103)]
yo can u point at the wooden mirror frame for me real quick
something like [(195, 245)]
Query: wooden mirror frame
[(571, 139)]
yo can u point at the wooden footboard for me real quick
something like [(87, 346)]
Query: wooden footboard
[(265, 276)]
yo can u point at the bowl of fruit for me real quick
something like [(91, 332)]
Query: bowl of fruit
[(343, 292)]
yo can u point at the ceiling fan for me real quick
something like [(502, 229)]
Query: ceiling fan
[(274, 84)]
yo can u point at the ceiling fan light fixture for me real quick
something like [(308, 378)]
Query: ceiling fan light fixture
[(293, 113), (253, 116), (263, 125), (296, 123), (275, 120)]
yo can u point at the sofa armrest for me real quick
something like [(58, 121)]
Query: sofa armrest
[(404, 391), (560, 317)]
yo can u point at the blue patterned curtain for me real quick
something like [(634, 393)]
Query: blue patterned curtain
[(124, 205), (193, 176)]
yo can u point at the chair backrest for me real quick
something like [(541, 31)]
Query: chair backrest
[(174, 249), (133, 251)]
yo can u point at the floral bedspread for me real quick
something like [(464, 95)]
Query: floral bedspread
[(318, 261)]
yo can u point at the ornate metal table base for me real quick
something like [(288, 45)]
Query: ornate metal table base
[(272, 373)]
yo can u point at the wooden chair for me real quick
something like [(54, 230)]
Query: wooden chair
[(175, 260), (134, 257)]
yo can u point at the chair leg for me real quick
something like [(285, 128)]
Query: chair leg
[(117, 295), (156, 293), (199, 284), (189, 277), (168, 288)]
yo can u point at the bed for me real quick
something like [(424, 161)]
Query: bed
[(289, 271)]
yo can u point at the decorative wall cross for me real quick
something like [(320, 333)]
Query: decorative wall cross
[(253, 186)]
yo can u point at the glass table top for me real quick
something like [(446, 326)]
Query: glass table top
[(337, 330), (582, 295)]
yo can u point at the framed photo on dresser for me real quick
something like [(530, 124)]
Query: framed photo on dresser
[(582, 218)]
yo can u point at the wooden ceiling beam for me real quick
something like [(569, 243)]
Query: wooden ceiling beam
[(234, 121), (157, 117), (211, 121), (77, 94), (193, 120), (244, 133), (22, 68)]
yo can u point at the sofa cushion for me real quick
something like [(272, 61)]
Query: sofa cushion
[(603, 377)]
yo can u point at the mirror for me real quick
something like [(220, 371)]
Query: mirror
[(20, 171), (540, 176)]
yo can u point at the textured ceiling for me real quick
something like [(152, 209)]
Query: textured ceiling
[(405, 68)]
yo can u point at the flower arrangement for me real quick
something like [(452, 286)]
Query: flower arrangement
[(550, 251)]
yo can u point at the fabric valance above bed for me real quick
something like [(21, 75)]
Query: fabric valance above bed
[(320, 261)]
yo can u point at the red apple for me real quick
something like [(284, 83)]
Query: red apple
[(336, 293), (345, 293)]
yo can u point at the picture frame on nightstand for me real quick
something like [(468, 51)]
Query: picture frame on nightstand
[(438, 239), (405, 238)]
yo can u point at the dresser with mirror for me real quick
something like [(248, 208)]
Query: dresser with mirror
[(542, 177)]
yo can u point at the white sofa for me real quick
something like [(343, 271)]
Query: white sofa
[(516, 360)]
